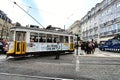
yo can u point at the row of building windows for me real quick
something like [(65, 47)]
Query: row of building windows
[(4, 17), (108, 13), (5, 25)]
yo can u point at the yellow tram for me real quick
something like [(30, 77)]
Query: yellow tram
[(26, 40)]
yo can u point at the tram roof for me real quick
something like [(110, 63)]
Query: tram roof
[(41, 29)]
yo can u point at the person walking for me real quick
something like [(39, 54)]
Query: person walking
[(83, 48), (88, 49), (58, 51), (79, 48)]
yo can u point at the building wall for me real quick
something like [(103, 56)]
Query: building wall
[(5, 25), (102, 22), (75, 28)]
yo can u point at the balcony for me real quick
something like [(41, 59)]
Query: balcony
[(118, 19), (95, 28), (90, 36), (96, 35), (109, 33), (114, 31), (102, 35)]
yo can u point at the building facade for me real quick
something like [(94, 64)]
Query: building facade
[(5, 25), (102, 22), (75, 28)]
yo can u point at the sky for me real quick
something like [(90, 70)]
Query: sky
[(58, 13)]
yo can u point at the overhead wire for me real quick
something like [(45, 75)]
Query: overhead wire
[(30, 7), (33, 8), (27, 12)]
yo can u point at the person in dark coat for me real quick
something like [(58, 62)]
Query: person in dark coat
[(82, 48), (58, 51), (88, 49)]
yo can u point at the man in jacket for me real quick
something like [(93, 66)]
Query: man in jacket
[(58, 51)]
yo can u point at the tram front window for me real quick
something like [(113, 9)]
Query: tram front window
[(20, 36), (71, 39)]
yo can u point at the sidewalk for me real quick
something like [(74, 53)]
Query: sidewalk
[(99, 53)]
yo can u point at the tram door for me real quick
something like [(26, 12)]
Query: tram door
[(20, 43), (71, 44)]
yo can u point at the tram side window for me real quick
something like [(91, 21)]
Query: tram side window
[(11, 36), (42, 37), (61, 39), (66, 39), (49, 38), (33, 37), (55, 38)]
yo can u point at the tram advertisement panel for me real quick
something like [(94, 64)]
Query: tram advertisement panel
[(33, 47), (65, 46)]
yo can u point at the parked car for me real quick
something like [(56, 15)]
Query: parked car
[(1, 48)]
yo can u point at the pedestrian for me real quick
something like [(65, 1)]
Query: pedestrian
[(82, 48), (85, 47), (5, 45), (79, 48), (91, 45), (58, 51), (88, 48)]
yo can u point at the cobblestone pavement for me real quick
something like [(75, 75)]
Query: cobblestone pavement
[(98, 66)]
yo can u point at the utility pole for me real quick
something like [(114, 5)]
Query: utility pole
[(77, 44)]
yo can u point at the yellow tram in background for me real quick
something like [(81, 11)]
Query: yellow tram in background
[(29, 40)]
